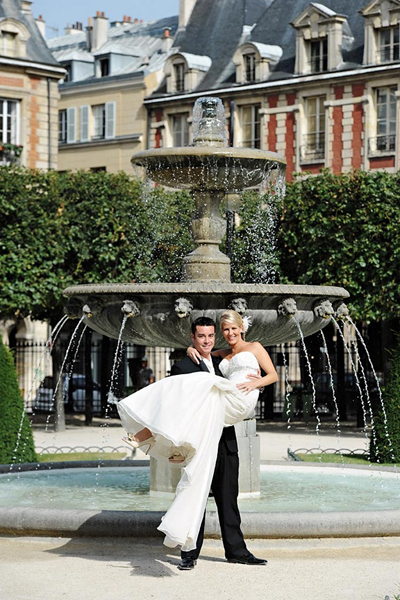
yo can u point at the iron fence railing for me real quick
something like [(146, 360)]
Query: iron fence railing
[(382, 143), (292, 397)]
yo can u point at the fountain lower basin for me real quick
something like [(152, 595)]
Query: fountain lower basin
[(296, 501)]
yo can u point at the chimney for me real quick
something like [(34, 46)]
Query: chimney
[(167, 41), (100, 31), (185, 10), (41, 25), (89, 34)]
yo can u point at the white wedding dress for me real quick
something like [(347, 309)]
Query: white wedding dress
[(188, 413)]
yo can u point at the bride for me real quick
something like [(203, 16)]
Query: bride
[(181, 419)]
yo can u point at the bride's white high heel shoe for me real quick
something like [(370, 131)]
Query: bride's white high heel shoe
[(134, 443)]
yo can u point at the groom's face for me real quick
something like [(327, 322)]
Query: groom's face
[(204, 339)]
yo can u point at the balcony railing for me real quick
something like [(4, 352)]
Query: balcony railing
[(10, 153), (313, 147), (382, 144)]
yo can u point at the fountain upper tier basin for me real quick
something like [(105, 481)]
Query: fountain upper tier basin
[(161, 314), (209, 167)]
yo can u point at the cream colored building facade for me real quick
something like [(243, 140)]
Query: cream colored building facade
[(111, 68)]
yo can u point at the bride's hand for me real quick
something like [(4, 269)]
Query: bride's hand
[(248, 386), (194, 355)]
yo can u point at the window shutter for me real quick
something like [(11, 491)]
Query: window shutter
[(84, 123), (71, 125), (110, 120)]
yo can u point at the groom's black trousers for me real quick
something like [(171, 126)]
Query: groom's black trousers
[(225, 489)]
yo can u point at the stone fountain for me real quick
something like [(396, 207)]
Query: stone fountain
[(161, 314)]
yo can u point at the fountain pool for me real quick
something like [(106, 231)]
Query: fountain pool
[(295, 501)]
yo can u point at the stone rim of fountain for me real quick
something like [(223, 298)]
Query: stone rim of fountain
[(69, 523)]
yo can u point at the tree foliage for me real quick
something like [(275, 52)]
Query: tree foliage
[(345, 230), (16, 439), (60, 229)]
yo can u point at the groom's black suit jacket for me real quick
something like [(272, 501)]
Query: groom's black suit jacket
[(186, 366)]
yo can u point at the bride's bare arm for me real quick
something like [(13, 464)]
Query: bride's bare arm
[(266, 364)]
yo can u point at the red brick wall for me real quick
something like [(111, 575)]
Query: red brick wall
[(356, 163), (272, 124), (290, 133), (337, 145)]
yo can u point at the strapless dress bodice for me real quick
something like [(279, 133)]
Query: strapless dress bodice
[(239, 366)]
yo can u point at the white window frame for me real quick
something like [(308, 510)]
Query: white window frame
[(179, 76), (314, 147), (386, 121), (10, 109), (321, 57), (393, 47), (180, 129), (250, 119)]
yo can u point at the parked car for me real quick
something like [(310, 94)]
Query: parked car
[(74, 386)]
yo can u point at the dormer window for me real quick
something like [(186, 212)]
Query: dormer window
[(320, 34), (8, 43), (250, 67), (104, 64), (13, 38), (179, 77), (382, 31), (253, 61), (319, 56), (389, 44), (185, 71)]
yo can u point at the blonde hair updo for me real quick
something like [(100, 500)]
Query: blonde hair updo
[(231, 316)]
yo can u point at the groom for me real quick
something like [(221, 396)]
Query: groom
[(224, 486)]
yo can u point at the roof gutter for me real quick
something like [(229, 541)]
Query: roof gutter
[(279, 82), (33, 65)]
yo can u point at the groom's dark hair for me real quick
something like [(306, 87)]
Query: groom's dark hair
[(203, 322)]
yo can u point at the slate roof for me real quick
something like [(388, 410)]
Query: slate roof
[(216, 29), (274, 28), (142, 41), (36, 47)]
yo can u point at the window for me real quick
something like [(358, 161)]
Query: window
[(251, 126), (389, 44), (179, 73), (314, 142), (319, 56), (62, 126), (180, 130), (99, 121), (250, 67), (8, 122), (104, 67), (68, 74), (8, 45), (385, 121)]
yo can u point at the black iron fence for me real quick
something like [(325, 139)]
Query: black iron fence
[(322, 376)]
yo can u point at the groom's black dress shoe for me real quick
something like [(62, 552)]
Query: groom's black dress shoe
[(187, 564), (248, 559)]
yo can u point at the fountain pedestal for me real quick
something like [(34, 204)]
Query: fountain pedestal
[(161, 314)]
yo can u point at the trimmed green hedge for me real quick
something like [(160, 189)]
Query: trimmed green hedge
[(381, 450), (16, 439)]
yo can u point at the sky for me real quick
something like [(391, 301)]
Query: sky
[(59, 14)]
